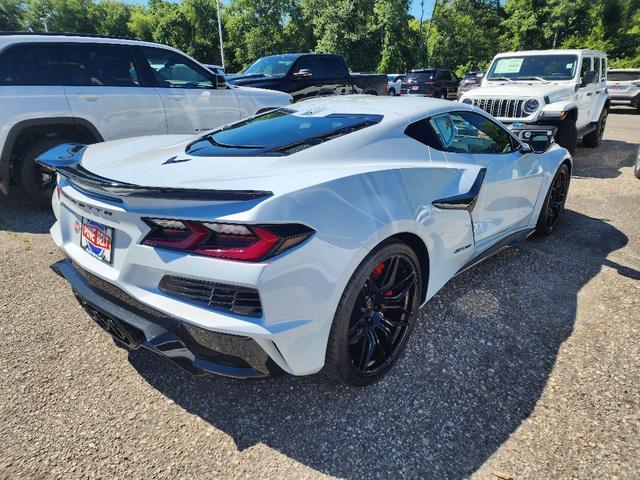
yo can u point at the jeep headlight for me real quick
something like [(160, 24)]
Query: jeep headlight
[(531, 105), (468, 101)]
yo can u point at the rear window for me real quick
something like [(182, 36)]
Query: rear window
[(623, 76), (281, 132), (420, 76)]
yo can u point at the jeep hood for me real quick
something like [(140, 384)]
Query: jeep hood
[(554, 91)]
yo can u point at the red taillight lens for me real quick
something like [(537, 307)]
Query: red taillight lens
[(223, 240)]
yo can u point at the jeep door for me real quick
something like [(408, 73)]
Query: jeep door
[(192, 101), (586, 93), (103, 85), (512, 179)]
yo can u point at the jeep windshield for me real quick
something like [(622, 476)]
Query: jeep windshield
[(534, 67), (275, 65)]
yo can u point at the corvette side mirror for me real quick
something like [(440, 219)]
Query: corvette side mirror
[(221, 82)]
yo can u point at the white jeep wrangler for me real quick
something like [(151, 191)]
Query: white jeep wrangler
[(564, 89), (61, 88)]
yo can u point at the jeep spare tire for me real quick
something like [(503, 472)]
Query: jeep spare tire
[(567, 135)]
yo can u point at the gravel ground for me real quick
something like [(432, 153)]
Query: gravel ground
[(526, 367)]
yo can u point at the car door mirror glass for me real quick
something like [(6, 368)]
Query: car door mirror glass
[(221, 81)]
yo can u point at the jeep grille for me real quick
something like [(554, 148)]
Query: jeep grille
[(501, 107)]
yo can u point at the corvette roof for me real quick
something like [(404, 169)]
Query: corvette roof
[(393, 109)]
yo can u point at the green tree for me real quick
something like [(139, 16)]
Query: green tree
[(60, 16), (111, 17), (392, 21), (11, 15)]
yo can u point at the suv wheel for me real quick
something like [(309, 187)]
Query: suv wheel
[(37, 181), (567, 135), (392, 92), (592, 140)]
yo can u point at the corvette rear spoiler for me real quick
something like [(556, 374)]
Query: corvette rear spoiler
[(65, 160)]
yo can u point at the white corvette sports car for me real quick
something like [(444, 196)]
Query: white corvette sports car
[(300, 240)]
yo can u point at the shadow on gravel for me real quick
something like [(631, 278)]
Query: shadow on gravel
[(475, 367), (18, 214), (604, 161)]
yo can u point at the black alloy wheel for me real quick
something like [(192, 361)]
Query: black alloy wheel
[(375, 316), (554, 203)]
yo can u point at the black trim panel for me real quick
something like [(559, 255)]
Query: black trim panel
[(507, 242), (466, 201)]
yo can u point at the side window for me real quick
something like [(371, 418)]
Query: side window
[(603, 69), (468, 132), (333, 67), (586, 66), (172, 70), (98, 65), (309, 63), (29, 64), (597, 66), (445, 75)]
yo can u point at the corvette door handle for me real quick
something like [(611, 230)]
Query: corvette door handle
[(465, 201)]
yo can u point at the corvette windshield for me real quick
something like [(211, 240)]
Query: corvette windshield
[(276, 65), (283, 131), (534, 67)]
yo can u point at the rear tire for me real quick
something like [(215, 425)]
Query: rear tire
[(38, 182), (553, 206), (392, 92), (592, 140), (567, 135), (375, 315), (636, 169)]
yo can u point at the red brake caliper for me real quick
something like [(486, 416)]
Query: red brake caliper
[(376, 274)]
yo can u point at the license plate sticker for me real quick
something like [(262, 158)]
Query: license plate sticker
[(97, 240)]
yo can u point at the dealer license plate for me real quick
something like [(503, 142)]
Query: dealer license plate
[(97, 240)]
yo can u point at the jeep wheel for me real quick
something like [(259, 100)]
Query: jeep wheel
[(567, 135), (392, 92), (592, 140), (37, 181)]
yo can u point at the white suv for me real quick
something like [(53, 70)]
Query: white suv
[(60, 88), (564, 89)]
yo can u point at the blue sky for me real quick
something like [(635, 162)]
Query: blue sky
[(414, 10)]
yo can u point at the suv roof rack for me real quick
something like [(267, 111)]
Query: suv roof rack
[(70, 34)]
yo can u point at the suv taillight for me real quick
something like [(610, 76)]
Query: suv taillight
[(251, 243)]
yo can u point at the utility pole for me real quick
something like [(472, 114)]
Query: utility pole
[(220, 33)]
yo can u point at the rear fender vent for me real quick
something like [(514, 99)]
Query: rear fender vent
[(218, 296)]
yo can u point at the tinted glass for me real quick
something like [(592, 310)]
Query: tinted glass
[(96, 65), (444, 75), (333, 67), (172, 70), (278, 129), (276, 65), (29, 65), (624, 76), (467, 132), (309, 63), (597, 67), (586, 66), (548, 67), (420, 76)]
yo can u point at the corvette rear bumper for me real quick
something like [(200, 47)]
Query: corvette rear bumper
[(133, 325)]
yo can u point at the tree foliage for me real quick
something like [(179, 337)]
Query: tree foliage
[(372, 34)]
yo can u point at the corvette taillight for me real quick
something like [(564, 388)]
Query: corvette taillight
[(249, 243)]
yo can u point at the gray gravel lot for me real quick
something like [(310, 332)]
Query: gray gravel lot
[(526, 367)]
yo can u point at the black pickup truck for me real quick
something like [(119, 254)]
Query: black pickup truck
[(304, 75)]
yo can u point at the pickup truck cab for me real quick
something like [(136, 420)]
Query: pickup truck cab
[(564, 89), (305, 75)]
